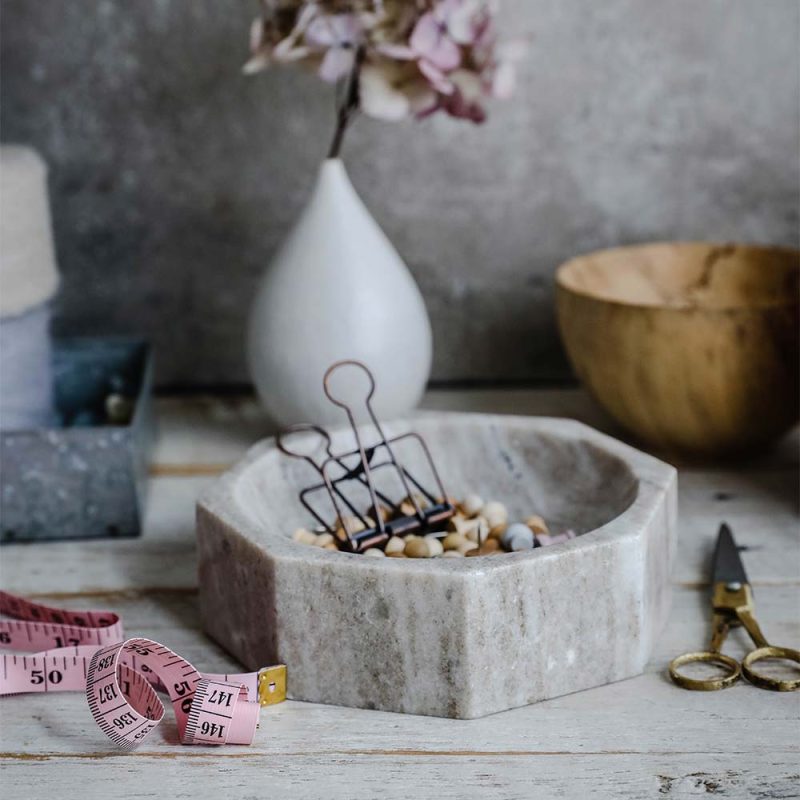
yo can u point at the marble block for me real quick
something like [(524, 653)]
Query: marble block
[(449, 637)]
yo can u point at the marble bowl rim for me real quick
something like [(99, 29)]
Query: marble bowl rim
[(653, 476)]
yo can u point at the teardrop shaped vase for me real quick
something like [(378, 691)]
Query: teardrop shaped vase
[(337, 289)]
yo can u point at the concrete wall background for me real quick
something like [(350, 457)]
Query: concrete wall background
[(174, 178)]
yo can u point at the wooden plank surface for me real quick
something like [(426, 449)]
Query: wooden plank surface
[(638, 738)]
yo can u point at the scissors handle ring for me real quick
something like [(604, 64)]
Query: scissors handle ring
[(764, 681), (705, 684)]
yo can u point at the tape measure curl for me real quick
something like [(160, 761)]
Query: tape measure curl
[(85, 651)]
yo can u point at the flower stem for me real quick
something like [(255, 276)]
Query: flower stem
[(349, 105)]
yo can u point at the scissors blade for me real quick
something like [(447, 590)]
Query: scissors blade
[(728, 567)]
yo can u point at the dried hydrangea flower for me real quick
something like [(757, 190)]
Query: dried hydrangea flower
[(398, 58)]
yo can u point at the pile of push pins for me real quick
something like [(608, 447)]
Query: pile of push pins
[(476, 529)]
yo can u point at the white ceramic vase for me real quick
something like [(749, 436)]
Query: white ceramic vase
[(337, 289)]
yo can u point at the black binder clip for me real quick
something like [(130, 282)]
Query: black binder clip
[(418, 510)]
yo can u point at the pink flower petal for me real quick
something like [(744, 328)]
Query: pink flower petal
[(287, 51), (330, 30), (430, 41), (426, 34), (337, 62), (445, 9), (307, 13), (437, 79), (400, 52), (464, 21)]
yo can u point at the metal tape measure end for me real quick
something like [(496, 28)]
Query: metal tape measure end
[(272, 685)]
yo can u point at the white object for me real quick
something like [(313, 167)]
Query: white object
[(28, 280), (28, 274), (336, 290), (26, 383)]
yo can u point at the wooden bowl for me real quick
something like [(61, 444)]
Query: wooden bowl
[(693, 347)]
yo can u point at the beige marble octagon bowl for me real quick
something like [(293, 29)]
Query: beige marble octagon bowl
[(449, 637)]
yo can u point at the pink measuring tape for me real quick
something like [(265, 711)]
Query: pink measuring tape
[(85, 651)]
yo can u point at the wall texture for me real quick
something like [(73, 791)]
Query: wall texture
[(174, 177)]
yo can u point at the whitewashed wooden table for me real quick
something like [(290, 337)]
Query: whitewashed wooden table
[(638, 738)]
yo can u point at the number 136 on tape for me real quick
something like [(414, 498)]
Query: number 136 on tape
[(85, 651)]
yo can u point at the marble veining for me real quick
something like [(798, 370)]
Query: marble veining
[(456, 638)]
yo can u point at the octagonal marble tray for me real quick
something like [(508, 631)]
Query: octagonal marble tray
[(449, 637)]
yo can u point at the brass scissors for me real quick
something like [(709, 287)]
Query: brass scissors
[(732, 603)]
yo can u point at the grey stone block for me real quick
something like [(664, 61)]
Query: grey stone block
[(84, 478)]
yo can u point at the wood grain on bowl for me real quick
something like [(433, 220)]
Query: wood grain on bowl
[(693, 347)]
